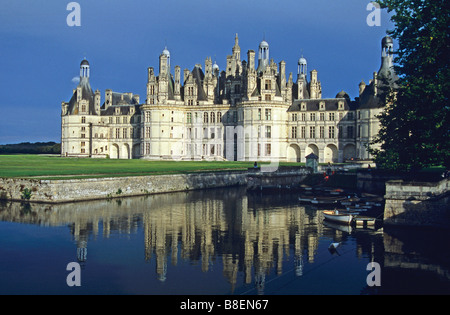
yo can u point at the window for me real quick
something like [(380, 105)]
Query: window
[(189, 118), (147, 132), (213, 118), (147, 148), (322, 116), (303, 132), (294, 117), (340, 134), (83, 120), (205, 118), (312, 132), (110, 120), (259, 149), (124, 120), (117, 120), (331, 131), (268, 149), (219, 117), (349, 131), (267, 97), (83, 108), (312, 116), (259, 113), (124, 133), (294, 132), (268, 85), (268, 113), (303, 116), (322, 132), (117, 133), (268, 132), (331, 116)]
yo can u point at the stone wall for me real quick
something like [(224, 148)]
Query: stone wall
[(67, 190), (417, 203)]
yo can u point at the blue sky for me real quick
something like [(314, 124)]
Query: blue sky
[(40, 54)]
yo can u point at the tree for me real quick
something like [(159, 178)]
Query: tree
[(415, 126)]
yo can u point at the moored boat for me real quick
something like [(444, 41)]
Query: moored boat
[(338, 216)]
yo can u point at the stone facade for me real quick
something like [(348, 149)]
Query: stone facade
[(246, 112)]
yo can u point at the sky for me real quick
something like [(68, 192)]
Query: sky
[(40, 53)]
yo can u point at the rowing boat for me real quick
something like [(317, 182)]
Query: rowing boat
[(338, 216)]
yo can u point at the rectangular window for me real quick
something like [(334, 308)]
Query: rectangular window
[(350, 116), (303, 116), (312, 116), (331, 131), (312, 132), (268, 132), (117, 133), (322, 116), (331, 116), (350, 132), (259, 114), (268, 149), (189, 118), (322, 132), (124, 133), (147, 148), (267, 97), (303, 132), (83, 120), (268, 113), (294, 132)]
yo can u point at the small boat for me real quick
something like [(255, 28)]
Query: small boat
[(339, 216), (325, 200)]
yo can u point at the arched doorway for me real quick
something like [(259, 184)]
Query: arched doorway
[(349, 151), (115, 151), (331, 153), (312, 148), (293, 153)]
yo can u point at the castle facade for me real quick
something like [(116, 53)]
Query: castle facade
[(250, 111)]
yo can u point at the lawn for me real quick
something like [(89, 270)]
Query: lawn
[(51, 167)]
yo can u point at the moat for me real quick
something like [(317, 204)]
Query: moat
[(211, 242)]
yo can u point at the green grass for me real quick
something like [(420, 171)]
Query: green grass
[(54, 167)]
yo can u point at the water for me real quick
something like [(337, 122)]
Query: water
[(211, 242)]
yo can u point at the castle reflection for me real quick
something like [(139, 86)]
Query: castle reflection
[(252, 234)]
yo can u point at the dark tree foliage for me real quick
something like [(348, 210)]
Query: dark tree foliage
[(415, 127), (31, 148)]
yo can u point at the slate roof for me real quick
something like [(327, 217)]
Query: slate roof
[(87, 94)]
